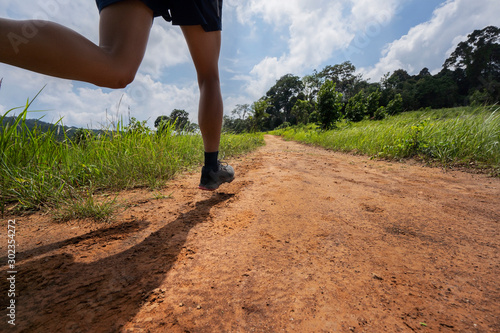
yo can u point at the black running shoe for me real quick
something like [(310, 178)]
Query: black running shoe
[(211, 180)]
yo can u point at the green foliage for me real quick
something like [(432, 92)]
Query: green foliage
[(381, 113), (81, 136), (356, 108), (235, 125), (259, 114), (86, 207), (137, 127), (161, 121), (247, 118), (471, 68), (240, 122), (232, 144), (37, 170), (459, 136), (302, 110), (435, 91), (179, 119), (478, 57), (410, 144), (314, 117), (242, 111), (481, 98), (284, 125), (343, 76), (395, 106), (281, 98), (329, 105), (312, 83), (373, 103)]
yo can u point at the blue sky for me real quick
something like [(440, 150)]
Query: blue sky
[(262, 40)]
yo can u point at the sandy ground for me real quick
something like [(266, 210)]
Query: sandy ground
[(304, 240)]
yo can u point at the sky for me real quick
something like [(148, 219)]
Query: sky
[(262, 40)]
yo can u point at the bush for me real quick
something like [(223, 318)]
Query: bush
[(329, 105), (395, 106), (286, 124), (302, 111), (355, 109), (380, 114), (372, 103), (480, 98)]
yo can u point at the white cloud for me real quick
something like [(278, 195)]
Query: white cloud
[(149, 99), (429, 43), (316, 29), (166, 48), (81, 16), (366, 13)]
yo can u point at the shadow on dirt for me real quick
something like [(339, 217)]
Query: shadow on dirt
[(57, 294), (119, 231)]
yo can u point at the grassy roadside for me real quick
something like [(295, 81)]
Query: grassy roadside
[(449, 137), (39, 171)]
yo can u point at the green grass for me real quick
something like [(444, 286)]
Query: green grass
[(38, 171), (87, 206), (450, 137)]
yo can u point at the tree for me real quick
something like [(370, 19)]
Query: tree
[(400, 82), (282, 97), (82, 136), (479, 58), (259, 114), (343, 76), (436, 92), (395, 106), (424, 73), (191, 127), (242, 111), (380, 114), (161, 120), (178, 117), (396, 80), (136, 126), (302, 110), (329, 105), (355, 109), (373, 103), (312, 83), (240, 121)]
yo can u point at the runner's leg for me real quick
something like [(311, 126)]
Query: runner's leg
[(205, 49), (52, 49)]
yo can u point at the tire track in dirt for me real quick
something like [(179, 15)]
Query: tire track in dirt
[(304, 240)]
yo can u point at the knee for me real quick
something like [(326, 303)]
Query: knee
[(116, 75), (210, 80), (121, 79)]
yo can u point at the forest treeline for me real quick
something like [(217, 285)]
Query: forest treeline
[(471, 75)]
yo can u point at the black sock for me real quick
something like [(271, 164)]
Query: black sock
[(211, 160)]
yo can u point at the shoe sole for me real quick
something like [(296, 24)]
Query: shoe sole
[(213, 189)]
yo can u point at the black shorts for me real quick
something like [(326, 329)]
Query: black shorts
[(207, 13)]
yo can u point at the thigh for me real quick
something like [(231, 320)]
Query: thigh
[(204, 48), (124, 29)]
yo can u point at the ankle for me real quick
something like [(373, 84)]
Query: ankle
[(211, 160)]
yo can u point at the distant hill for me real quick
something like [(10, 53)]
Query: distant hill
[(45, 127)]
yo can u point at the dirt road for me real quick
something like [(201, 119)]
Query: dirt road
[(304, 240)]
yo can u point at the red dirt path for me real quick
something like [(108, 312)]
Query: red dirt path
[(304, 240)]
